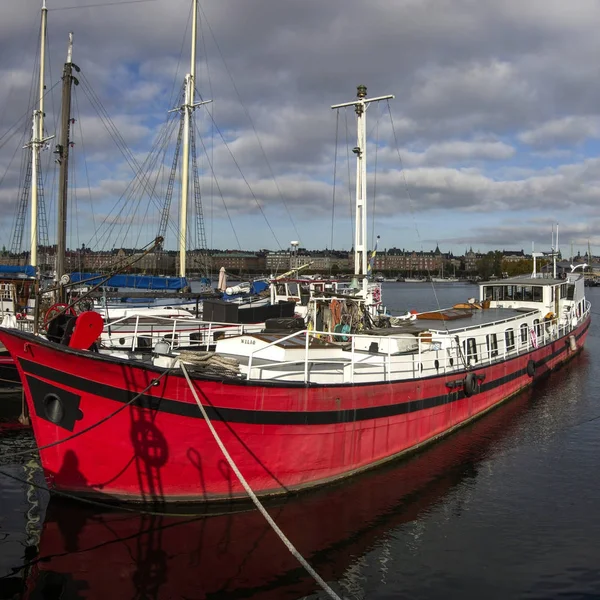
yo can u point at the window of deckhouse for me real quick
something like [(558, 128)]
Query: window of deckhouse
[(509, 339), (491, 341), (524, 331), (539, 329), (470, 350)]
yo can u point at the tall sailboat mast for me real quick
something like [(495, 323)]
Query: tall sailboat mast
[(360, 228), (187, 110), (62, 150), (37, 140)]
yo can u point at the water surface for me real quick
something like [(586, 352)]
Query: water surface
[(508, 507)]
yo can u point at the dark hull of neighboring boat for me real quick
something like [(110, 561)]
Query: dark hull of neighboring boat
[(283, 437), (9, 375)]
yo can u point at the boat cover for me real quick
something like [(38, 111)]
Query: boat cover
[(17, 270), (144, 282)]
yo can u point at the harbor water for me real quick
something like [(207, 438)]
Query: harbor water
[(506, 507)]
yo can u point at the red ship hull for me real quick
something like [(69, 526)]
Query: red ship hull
[(123, 555), (282, 437)]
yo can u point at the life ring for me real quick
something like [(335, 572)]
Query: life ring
[(533, 335), (470, 384), (19, 316)]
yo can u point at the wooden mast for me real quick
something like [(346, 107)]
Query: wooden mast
[(187, 109), (62, 150), (37, 140)]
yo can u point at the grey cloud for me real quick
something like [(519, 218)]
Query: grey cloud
[(469, 76), (557, 132)]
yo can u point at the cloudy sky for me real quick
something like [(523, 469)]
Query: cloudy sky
[(492, 138)]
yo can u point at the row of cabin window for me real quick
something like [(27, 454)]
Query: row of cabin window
[(526, 293), (491, 341)]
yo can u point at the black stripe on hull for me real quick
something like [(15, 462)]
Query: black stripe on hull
[(257, 417)]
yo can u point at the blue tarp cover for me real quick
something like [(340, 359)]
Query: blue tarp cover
[(258, 286), (27, 270), (144, 282)]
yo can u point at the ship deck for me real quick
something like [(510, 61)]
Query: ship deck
[(468, 319)]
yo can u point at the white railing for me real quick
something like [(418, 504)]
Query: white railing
[(487, 323), (412, 364), (444, 349), (130, 330)]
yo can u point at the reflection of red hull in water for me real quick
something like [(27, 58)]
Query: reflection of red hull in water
[(282, 436), (121, 555)]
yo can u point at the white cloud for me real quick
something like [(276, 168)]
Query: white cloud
[(460, 151), (558, 132)]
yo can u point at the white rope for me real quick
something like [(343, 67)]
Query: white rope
[(252, 495)]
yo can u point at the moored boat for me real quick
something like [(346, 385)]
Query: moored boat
[(297, 410), (309, 403), (89, 544), (9, 377)]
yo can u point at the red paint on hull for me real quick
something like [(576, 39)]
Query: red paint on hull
[(117, 555), (169, 453)]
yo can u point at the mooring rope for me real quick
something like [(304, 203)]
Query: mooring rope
[(252, 495)]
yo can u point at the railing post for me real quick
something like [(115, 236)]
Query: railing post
[(135, 332), (250, 364), (352, 361), (388, 366), (445, 351), (306, 345)]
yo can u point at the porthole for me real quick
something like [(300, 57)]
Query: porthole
[(54, 409)]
